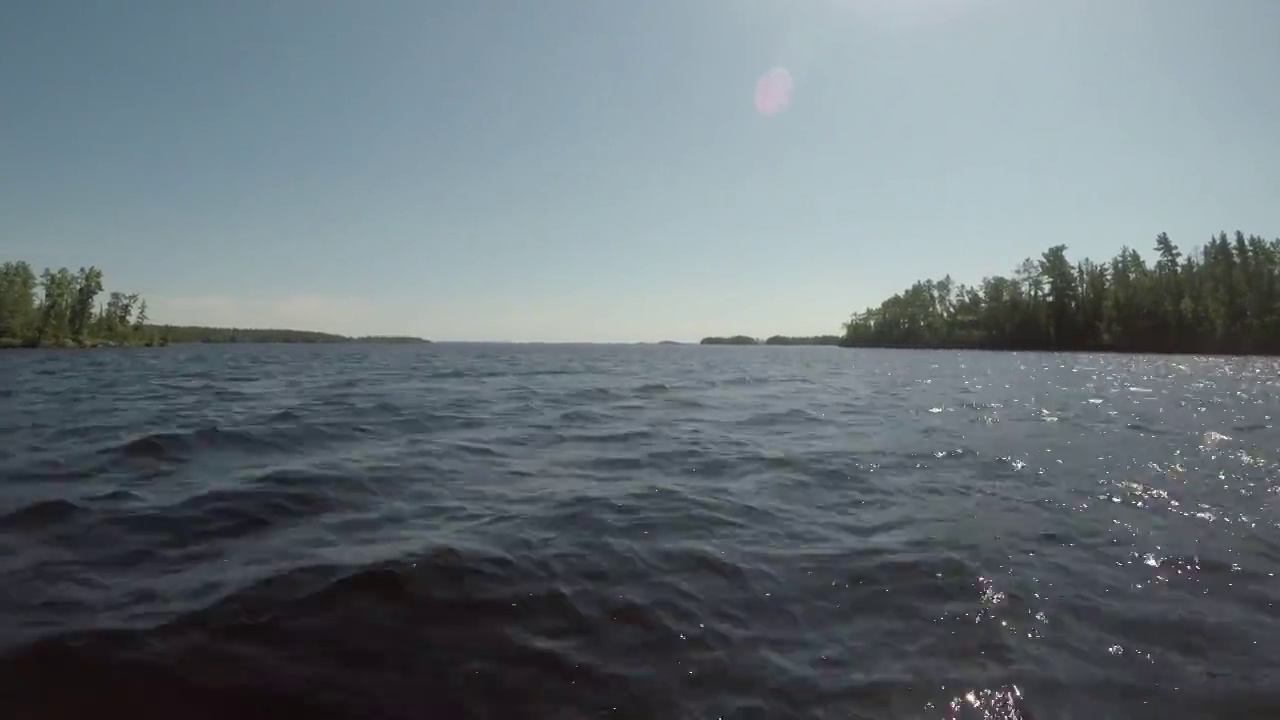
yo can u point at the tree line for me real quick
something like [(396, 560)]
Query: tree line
[(63, 308), (773, 340), (1222, 297), (67, 309)]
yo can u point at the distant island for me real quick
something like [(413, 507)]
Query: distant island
[(200, 334), (774, 340), (1221, 298), (804, 340), (61, 309)]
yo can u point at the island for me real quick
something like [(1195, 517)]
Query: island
[(200, 334), (1220, 298), (775, 340), (391, 340), (804, 340), (61, 309)]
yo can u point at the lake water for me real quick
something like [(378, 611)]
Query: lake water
[(489, 531)]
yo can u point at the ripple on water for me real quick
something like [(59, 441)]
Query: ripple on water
[(637, 532)]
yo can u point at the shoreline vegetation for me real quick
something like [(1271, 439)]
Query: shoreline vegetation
[(1222, 298), (62, 309), (774, 340)]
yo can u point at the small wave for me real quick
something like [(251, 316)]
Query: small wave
[(118, 495), (612, 463), (782, 418), (219, 515), (449, 634), (342, 487), (287, 415), (616, 436), (593, 394), (583, 416), (474, 450), (399, 533), (39, 515), (181, 446), (482, 374)]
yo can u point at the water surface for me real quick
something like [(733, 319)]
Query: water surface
[(487, 531)]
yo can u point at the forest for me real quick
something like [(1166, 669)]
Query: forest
[(1222, 297), (67, 309), (803, 340), (64, 309), (774, 340)]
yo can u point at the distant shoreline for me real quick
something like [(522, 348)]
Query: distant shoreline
[(1060, 350), (743, 340), (167, 335), (60, 310), (10, 344), (830, 340)]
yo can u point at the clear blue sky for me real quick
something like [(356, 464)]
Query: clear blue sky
[(595, 170)]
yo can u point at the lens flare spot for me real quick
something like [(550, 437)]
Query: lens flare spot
[(773, 92)]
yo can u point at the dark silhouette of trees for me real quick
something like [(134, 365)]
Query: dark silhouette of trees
[(773, 340), (1221, 298), (803, 340), (62, 309)]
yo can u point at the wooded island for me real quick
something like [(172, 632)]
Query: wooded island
[(774, 340)]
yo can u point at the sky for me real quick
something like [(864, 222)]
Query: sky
[(583, 170)]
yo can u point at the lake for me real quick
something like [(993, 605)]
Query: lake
[(560, 531)]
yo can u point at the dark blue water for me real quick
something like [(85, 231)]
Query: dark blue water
[(457, 531)]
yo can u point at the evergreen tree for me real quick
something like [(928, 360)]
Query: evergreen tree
[(1223, 298)]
